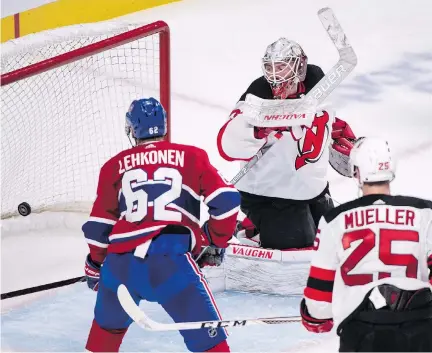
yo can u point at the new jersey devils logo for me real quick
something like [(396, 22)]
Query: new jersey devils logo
[(234, 113), (311, 145)]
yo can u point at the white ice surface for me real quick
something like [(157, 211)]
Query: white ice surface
[(54, 323), (216, 46)]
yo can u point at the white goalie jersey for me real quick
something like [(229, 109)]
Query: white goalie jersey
[(373, 240), (294, 168)]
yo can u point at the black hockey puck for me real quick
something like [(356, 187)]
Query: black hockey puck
[(24, 209)]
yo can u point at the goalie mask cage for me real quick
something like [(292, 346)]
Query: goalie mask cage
[(65, 94)]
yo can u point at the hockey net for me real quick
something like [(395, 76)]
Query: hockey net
[(64, 97)]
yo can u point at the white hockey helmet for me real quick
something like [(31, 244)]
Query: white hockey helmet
[(284, 60), (371, 161)]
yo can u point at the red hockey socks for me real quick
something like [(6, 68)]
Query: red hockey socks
[(221, 347), (101, 340)]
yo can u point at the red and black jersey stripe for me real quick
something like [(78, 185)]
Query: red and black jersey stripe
[(320, 284)]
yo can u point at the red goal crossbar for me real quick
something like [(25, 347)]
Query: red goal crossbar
[(159, 27), (65, 93)]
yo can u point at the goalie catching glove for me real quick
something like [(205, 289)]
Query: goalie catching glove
[(210, 254), (340, 149)]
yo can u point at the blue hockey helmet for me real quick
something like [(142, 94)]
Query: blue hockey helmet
[(146, 119)]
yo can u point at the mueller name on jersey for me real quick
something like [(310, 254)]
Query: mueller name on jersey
[(133, 160), (388, 215)]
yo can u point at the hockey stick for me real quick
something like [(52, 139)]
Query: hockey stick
[(248, 166), (346, 63), (146, 323), (42, 287)]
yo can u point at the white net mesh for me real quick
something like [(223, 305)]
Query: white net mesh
[(58, 127)]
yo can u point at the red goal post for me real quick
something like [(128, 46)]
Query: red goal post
[(64, 97)]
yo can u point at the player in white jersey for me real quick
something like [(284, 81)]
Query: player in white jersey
[(372, 270), (286, 193)]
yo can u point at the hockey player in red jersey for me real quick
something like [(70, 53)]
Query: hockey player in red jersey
[(145, 229), (372, 269), (285, 194)]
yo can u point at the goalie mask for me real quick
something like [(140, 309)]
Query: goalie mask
[(372, 161), (284, 65)]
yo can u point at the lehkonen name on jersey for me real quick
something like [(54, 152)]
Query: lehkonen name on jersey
[(133, 160)]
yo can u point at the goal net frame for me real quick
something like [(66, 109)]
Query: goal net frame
[(159, 28)]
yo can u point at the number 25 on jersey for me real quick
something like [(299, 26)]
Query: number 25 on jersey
[(368, 241)]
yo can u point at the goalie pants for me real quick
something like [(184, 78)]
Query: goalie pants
[(285, 224), (167, 275), (408, 328)]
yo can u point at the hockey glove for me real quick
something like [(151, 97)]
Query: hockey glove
[(270, 134), (343, 137), (246, 233), (92, 273), (210, 254), (264, 132), (246, 229), (311, 324)]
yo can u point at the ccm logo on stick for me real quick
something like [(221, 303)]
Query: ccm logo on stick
[(221, 324)]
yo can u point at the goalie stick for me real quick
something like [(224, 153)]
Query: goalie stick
[(146, 323), (346, 63), (248, 166)]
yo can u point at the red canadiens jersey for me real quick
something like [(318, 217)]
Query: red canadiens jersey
[(145, 188), (366, 242)]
